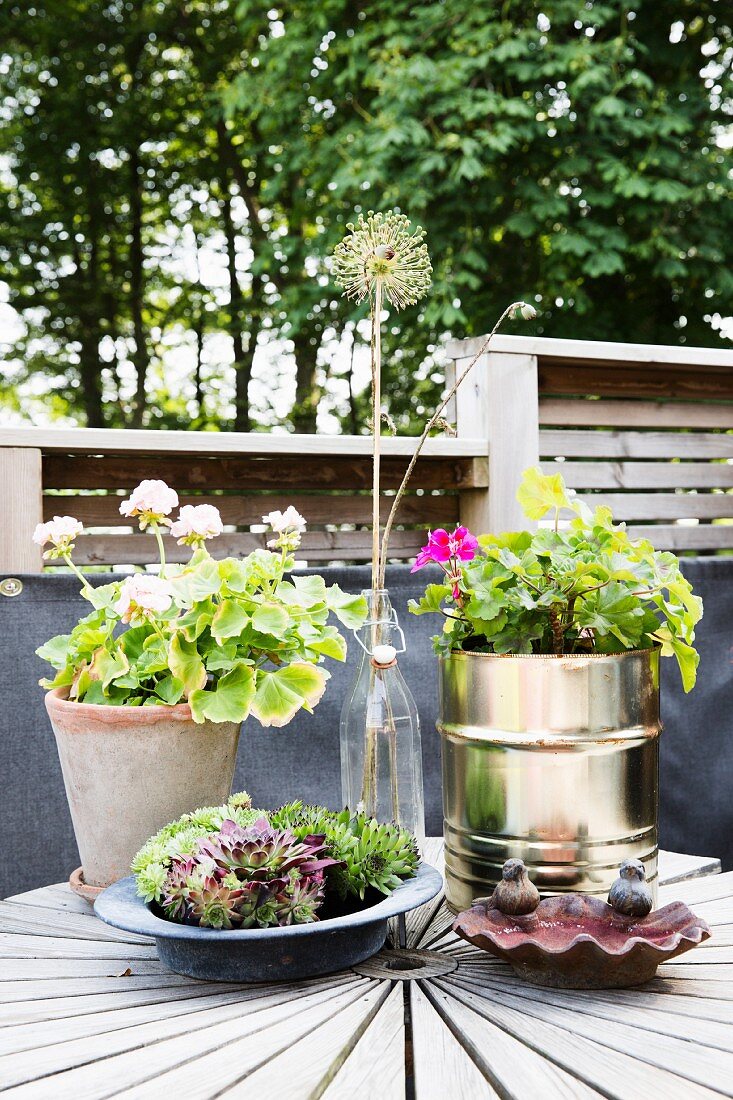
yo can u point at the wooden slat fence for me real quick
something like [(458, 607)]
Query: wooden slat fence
[(647, 430)]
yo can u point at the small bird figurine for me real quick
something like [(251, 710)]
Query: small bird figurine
[(631, 894), (515, 895)]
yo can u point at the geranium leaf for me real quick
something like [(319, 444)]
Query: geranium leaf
[(106, 666), (281, 694), (185, 663), (170, 689), (198, 583), (194, 621), (235, 574), (133, 641), (95, 693), (303, 591), (104, 597), (431, 601), (221, 658), (270, 618), (329, 644), (229, 621), (687, 657), (539, 493), (307, 680), (350, 610), (63, 678), (229, 700), (55, 651), (154, 657)]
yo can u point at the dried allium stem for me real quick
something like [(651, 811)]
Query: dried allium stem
[(376, 428), (426, 432)]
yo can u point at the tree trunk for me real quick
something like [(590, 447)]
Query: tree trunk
[(353, 415), (199, 311), (90, 370), (307, 390), (90, 311), (199, 330), (232, 168), (140, 358), (242, 357)]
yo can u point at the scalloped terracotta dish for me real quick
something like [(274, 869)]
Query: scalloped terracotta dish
[(577, 942)]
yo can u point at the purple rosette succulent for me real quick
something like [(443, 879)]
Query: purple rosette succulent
[(245, 877)]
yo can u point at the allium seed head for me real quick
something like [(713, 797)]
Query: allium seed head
[(381, 247)]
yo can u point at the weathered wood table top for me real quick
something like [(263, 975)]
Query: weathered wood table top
[(88, 1011)]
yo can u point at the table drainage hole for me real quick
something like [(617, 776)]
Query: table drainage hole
[(400, 965), (405, 964)]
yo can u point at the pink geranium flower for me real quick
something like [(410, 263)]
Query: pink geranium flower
[(459, 545), (143, 594), (196, 523), (288, 526), (152, 500), (59, 531)]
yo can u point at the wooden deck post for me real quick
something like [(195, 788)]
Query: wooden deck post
[(499, 402), (21, 508)]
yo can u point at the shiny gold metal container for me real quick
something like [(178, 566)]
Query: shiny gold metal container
[(554, 760)]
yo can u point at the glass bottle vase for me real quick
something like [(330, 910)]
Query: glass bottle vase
[(381, 758)]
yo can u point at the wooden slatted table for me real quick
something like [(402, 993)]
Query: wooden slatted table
[(88, 1011)]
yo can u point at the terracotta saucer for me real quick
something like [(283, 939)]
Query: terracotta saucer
[(79, 886)]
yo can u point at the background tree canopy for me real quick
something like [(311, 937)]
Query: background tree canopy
[(174, 175)]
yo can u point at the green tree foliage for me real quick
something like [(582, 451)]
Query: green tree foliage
[(565, 150), (118, 176), (569, 153)]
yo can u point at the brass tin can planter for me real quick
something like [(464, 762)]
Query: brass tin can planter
[(553, 760)]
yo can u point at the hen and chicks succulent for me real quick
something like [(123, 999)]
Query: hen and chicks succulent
[(369, 853), (234, 867), (246, 877)]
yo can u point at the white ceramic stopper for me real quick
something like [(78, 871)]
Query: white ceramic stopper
[(384, 654)]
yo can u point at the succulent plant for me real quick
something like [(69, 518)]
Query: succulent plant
[(300, 900), (233, 866), (375, 854), (303, 819), (240, 801), (261, 851), (180, 838), (369, 853), (174, 887), (240, 877)]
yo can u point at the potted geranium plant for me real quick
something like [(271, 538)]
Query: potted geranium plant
[(549, 692), (152, 685), (237, 894)]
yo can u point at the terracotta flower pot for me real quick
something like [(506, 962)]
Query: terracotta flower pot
[(130, 770)]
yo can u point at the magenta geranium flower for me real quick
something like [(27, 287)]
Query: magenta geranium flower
[(442, 546)]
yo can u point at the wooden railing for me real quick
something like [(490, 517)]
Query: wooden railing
[(87, 473), (647, 430)]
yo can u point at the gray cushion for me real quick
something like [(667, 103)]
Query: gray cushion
[(302, 760)]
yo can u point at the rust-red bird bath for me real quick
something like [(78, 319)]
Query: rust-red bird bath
[(579, 942)]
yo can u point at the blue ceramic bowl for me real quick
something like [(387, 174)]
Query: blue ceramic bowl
[(266, 954)]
